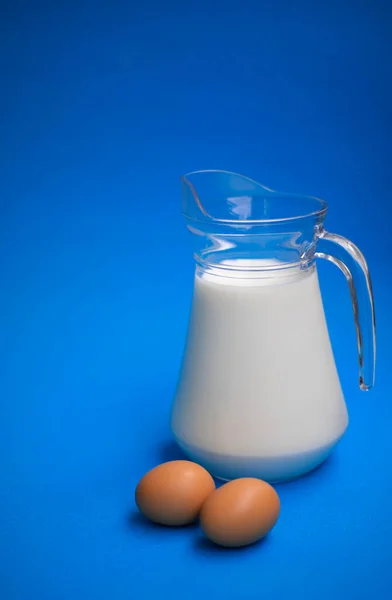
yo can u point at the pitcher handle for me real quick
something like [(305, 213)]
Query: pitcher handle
[(350, 260)]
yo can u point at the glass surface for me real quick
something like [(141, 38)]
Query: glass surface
[(241, 225)]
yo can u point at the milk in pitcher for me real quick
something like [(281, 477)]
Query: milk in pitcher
[(259, 392)]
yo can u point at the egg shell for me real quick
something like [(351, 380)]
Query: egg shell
[(173, 493), (240, 512)]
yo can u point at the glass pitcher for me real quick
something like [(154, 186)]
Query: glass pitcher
[(258, 393)]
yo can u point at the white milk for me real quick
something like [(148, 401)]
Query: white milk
[(258, 394)]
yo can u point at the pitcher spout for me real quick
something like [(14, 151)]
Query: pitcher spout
[(221, 196)]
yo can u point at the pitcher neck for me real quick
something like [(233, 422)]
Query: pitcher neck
[(233, 218), (250, 273)]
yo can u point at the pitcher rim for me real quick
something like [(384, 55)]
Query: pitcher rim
[(320, 212)]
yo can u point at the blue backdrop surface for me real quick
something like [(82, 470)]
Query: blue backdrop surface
[(103, 106)]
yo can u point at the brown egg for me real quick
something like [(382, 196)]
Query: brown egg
[(173, 493), (240, 512)]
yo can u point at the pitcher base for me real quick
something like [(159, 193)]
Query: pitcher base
[(272, 468)]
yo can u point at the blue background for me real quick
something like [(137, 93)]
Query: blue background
[(103, 106)]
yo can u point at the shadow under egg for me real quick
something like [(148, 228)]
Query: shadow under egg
[(135, 520), (203, 545)]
